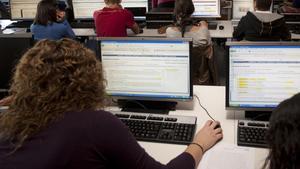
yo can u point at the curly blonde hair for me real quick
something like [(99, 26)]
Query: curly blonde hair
[(51, 78)]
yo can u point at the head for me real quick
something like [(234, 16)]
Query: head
[(46, 12), (183, 11), (284, 135), (262, 5), (111, 2), (52, 78)]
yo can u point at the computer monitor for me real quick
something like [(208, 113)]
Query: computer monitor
[(84, 9), (207, 9), (23, 9), (152, 69), (241, 7), (262, 74)]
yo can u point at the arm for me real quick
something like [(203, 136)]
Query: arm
[(239, 32), (135, 28), (69, 31), (285, 33), (130, 23)]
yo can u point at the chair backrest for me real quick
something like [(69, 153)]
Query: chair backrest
[(204, 69)]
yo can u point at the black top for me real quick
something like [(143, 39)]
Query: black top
[(253, 29), (86, 140)]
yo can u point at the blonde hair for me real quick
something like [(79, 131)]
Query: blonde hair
[(112, 1), (51, 78)]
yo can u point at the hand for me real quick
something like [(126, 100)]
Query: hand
[(209, 135), (6, 101), (203, 24)]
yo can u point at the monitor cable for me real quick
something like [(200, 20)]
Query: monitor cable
[(204, 108)]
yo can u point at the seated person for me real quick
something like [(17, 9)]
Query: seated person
[(262, 25), (56, 116), (284, 135), (203, 67), (113, 20), (49, 22), (163, 3)]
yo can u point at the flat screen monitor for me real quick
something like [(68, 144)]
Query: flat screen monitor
[(23, 9), (240, 8), (155, 69), (84, 9), (207, 9), (261, 75)]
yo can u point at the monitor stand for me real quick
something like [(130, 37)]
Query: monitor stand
[(258, 115), (146, 106)]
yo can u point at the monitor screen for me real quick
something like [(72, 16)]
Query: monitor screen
[(262, 75), (147, 69), (84, 9), (23, 9), (207, 8), (241, 7)]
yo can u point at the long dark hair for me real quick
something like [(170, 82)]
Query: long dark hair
[(183, 11), (284, 135), (46, 12)]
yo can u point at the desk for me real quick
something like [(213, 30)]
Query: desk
[(225, 33), (213, 98)]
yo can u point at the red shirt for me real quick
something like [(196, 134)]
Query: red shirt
[(113, 22)]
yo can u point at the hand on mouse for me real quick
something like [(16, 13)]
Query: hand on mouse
[(209, 135), (6, 101)]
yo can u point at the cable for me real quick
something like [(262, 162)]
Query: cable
[(204, 108), (133, 101)]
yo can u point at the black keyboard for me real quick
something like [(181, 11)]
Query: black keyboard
[(252, 133), (89, 24), (20, 24), (212, 25), (160, 128)]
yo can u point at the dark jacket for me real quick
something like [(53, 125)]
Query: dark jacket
[(262, 27)]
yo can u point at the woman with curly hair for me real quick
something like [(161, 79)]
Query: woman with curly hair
[(284, 135), (55, 119)]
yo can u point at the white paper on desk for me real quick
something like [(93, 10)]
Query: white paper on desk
[(228, 156)]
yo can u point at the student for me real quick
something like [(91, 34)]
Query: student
[(113, 20), (55, 116), (163, 3), (262, 25), (50, 23), (203, 68), (284, 135)]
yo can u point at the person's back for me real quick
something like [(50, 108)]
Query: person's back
[(50, 23), (203, 66), (113, 20), (262, 25), (53, 31)]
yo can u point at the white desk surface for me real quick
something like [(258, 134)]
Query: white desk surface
[(213, 98)]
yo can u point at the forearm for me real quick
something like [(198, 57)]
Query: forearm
[(196, 152)]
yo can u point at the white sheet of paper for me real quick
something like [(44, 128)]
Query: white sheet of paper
[(228, 156)]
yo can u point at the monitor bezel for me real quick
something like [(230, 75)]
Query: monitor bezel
[(99, 39), (247, 43)]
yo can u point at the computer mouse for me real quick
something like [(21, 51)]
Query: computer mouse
[(217, 126), (221, 27), (141, 31)]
